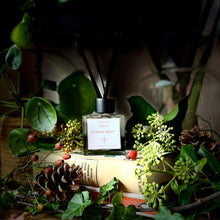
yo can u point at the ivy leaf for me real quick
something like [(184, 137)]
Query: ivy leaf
[(107, 189), (186, 195), (14, 57), (52, 205), (200, 164), (164, 214), (17, 141), (77, 205), (212, 162), (188, 151), (5, 200), (121, 212), (140, 109), (94, 211), (40, 114)]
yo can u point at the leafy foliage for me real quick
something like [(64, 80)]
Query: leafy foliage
[(5, 200), (17, 141), (40, 114), (77, 96), (21, 34), (164, 214), (77, 205), (14, 57)]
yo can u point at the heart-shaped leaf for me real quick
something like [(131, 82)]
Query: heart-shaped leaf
[(77, 205), (107, 189), (21, 34), (40, 114), (77, 96), (14, 57)]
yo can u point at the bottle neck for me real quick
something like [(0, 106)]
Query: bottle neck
[(105, 105)]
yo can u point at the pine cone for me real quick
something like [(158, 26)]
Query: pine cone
[(62, 181), (197, 137)]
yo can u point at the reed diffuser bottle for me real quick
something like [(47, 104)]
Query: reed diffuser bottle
[(103, 130)]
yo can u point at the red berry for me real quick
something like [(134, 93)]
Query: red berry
[(34, 157), (132, 154), (32, 137), (34, 182), (66, 156), (48, 192), (58, 146), (59, 162), (40, 206), (48, 171)]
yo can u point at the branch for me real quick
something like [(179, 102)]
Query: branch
[(195, 204)]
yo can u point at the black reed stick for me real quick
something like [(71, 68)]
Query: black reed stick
[(91, 75), (111, 65), (99, 72)]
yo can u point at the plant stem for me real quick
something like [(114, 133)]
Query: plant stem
[(56, 64), (22, 117), (190, 119)]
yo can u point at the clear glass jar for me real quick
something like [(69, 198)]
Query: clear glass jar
[(104, 130)]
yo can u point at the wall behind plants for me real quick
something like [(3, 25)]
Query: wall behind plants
[(165, 29)]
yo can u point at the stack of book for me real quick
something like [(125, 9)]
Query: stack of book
[(99, 170)]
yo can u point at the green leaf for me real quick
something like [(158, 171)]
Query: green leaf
[(178, 112), (121, 212), (186, 195), (77, 96), (212, 162), (17, 141), (77, 205), (52, 205), (21, 34), (188, 151), (46, 143), (6, 200), (107, 189), (200, 164), (40, 114), (140, 109), (14, 57), (176, 116), (175, 187), (48, 84), (165, 214), (94, 212)]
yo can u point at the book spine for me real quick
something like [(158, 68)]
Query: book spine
[(99, 170)]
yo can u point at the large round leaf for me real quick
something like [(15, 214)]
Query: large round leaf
[(21, 34), (77, 96), (40, 114), (17, 141)]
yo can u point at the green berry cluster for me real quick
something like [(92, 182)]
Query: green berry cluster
[(71, 136), (184, 170), (155, 194), (152, 143)]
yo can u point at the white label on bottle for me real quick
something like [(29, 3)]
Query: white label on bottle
[(104, 133)]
